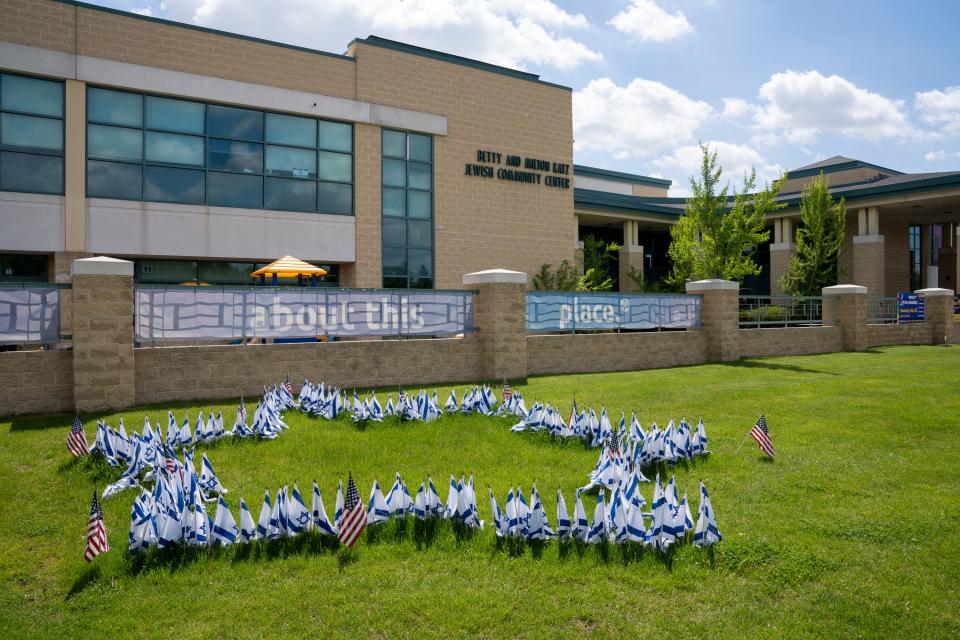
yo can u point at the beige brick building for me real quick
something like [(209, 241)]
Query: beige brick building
[(200, 155)]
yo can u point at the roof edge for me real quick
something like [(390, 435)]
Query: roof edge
[(219, 32), (634, 178), (395, 45), (840, 166)]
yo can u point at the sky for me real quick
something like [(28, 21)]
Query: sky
[(769, 84)]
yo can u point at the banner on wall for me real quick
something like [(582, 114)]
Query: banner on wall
[(579, 311)]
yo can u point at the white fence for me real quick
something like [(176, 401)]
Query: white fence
[(29, 314)]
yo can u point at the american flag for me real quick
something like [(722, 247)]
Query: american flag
[(613, 448), (507, 391), (96, 533), (354, 519), (242, 413), (288, 386), (762, 436), (170, 459), (77, 440)]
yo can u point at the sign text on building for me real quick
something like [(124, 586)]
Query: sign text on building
[(493, 164)]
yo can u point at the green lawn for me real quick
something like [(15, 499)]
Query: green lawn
[(852, 532)]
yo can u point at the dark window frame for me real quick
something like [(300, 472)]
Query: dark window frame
[(60, 189)]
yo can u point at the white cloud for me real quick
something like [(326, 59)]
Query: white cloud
[(535, 32), (734, 108), (645, 20), (640, 119), (735, 159), (940, 108), (934, 156), (145, 11), (803, 105)]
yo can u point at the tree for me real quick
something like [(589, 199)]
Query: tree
[(716, 238), (597, 257), (563, 279), (819, 241)]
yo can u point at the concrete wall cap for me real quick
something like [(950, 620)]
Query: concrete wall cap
[(712, 285), (844, 289), (934, 292), (783, 246), (102, 266), (874, 239), (495, 275)]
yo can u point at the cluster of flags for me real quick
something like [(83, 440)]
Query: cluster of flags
[(328, 401), (622, 519)]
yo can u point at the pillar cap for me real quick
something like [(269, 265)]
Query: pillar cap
[(843, 290), (934, 292), (495, 276), (712, 285), (101, 266)]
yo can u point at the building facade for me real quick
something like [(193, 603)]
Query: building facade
[(201, 155)]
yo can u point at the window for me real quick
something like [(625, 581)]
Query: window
[(914, 243), (23, 268), (142, 147), (31, 134), (204, 273), (407, 209)]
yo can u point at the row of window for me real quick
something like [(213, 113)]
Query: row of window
[(31, 134), (142, 147), (199, 272), (407, 210), (16, 267)]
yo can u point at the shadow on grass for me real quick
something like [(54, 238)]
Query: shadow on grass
[(36, 422), (87, 577), (775, 366)]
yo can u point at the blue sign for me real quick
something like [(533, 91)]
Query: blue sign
[(909, 307), (570, 311)]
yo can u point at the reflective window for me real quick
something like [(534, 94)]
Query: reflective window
[(407, 209), (335, 136), (114, 107), (172, 150), (114, 143), (169, 184), (300, 132), (31, 95), (114, 180), (231, 190), (230, 122), (31, 134), (23, 268), (169, 114)]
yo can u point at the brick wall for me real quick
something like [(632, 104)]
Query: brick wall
[(789, 341), (36, 382), (202, 372), (587, 353), (881, 335)]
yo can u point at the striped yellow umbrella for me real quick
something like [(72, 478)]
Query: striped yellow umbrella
[(289, 267)]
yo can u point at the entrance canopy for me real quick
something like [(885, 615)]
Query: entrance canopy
[(289, 267)]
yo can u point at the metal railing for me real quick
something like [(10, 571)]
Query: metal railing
[(569, 311), (29, 313), (782, 311), (882, 310), (164, 313)]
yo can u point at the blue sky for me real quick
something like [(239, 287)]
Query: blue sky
[(771, 84)]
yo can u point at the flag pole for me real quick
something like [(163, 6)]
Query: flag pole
[(746, 436)]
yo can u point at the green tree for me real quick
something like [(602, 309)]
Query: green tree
[(565, 277), (716, 238), (598, 259), (823, 225)]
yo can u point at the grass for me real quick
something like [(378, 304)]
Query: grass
[(850, 533)]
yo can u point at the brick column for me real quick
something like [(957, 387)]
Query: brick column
[(631, 257), (500, 319), (845, 306), (938, 313), (782, 250), (869, 266), (719, 316), (103, 372)]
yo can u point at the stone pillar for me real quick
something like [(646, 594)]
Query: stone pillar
[(869, 267), (938, 313), (75, 169), (845, 306), (782, 250), (500, 319), (719, 315), (103, 371), (631, 258)]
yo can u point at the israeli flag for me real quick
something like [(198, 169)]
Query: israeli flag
[(224, 526), (434, 505), (376, 411), (451, 404), (338, 506), (398, 500), (451, 509), (390, 409), (538, 525), (118, 486), (298, 517), (699, 444), (662, 532), (263, 522), (706, 533), (320, 520), (684, 517), (617, 517), (581, 526), (377, 509), (599, 529), (248, 529), (564, 524), (140, 530), (512, 520), (468, 498), (420, 503), (209, 481), (499, 521), (636, 529)]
